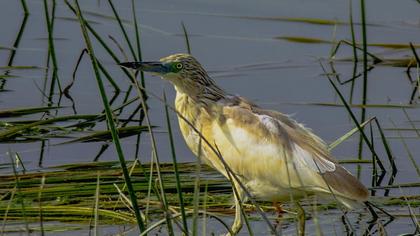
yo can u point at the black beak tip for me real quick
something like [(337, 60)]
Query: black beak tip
[(131, 65)]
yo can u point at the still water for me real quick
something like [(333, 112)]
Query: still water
[(242, 45)]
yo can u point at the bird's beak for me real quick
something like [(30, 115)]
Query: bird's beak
[(155, 67)]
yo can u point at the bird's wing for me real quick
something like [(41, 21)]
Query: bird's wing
[(263, 136), (305, 148)]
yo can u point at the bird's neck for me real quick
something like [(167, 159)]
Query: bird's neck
[(187, 108), (202, 93), (190, 104)]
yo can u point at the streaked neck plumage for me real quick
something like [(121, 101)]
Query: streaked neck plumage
[(200, 89)]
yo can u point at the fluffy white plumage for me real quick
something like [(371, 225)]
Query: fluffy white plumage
[(304, 159)]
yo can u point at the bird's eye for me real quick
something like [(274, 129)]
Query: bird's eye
[(179, 66)]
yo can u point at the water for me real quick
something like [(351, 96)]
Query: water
[(242, 55)]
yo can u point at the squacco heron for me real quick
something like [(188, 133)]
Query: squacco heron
[(273, 156)]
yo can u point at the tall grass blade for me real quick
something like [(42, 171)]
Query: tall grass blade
[(155, 158), (41, 220), (353, 117), (51, 51), (355, 46), (66, 90), (17, 40), (418, 74), (413, 216), (96, 215), (353, 37), (24, 111), (297, 39), (15, 46), (137, 30), (347, 135), (415, 53), (175, 163), (6, 211), (20, 197), (196, 199), (140, 58), (109, 78), (407, 149), (98, 37), (110, 119), (387, 148), (374, 165), (204, 228), (187, 40), (9, 133), (20, 162), (365, 71), (41, 153), (123, 30), (25, 7), (413, 126)]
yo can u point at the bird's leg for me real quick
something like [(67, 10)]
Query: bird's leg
[(279, 209), (280, 212), (301, 219), (237, 223)]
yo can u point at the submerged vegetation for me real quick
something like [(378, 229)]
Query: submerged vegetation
[(177, 196), (77, 193)]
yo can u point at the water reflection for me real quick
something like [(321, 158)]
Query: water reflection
[(243, 55)]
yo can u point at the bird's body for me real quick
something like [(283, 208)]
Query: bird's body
[(274, 157)]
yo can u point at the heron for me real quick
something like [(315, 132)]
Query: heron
[(272, 155)]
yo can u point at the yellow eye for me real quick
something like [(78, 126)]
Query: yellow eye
[(179, 66)]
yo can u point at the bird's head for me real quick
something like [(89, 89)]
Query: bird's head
[(182, 70)]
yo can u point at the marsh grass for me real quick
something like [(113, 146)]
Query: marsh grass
[(110, 120), (176, 171), (73, 189), (313, 40), (15, 112), (176, 195), (50, 18), (15, 46)]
